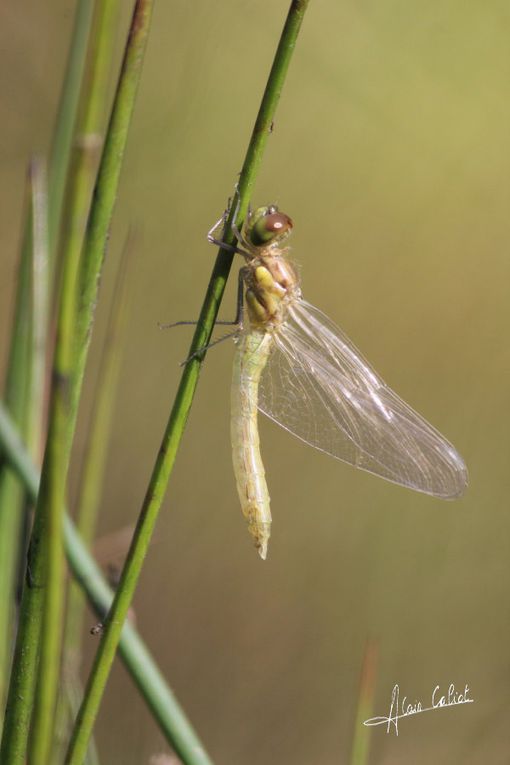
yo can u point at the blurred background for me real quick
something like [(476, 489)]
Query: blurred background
[(391, 152)]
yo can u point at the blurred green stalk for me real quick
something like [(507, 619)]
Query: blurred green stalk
[(40, 304), (46, 551), (21, 688), (32, 310), (91, 479), (41, 291), (362, 733), (66, 119), (170, 717), (73, 340), (11, 493), (96, 447), (184, 397), (84, 163)]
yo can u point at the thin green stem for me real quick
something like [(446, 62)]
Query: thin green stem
[(170, 717), (178, 416), (47, 558), (85, 158), (106, 188), (89, 137), (66, 118), (362, 733), (11, 493), (40, 306), (42, 598), (96, 447), (22, 682), (91, 479)]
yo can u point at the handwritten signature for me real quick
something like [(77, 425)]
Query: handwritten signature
[(439, 700)]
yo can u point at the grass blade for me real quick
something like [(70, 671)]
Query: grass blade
[(40, 307), (47, 562), (21, 687), (46, 551), (66, 118), (91, 483), (362, 734), (11, 493)]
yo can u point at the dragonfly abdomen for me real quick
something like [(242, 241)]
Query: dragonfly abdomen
[(250, 359)]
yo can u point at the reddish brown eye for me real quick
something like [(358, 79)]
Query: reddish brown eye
[(277, 223), (269, 226)]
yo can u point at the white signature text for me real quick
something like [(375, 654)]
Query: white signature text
[(439, 700)]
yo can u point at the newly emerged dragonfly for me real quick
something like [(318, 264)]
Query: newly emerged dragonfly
[(298, 368)]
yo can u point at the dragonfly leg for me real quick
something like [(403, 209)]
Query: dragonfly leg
[(220, 222), (212, 239), (240, 299), (204, 348), (228, 247), (237, 323), (177, 324)]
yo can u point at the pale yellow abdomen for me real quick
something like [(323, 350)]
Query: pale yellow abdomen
[(251, 356)]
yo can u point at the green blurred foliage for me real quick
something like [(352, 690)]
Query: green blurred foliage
[(391, 152)]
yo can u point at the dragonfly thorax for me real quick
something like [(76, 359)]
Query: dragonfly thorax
[(272, 283)]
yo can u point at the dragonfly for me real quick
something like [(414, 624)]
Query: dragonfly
[(293, 364)]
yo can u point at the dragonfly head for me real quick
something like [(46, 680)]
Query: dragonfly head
[(267, 225)]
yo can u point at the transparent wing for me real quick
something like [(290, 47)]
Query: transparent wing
[(319, 387)]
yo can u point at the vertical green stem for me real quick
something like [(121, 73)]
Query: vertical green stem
[(91, 482), (108, 178), (46, 544), (22, 683), (178, 416), (46, 559), (69, 364), (11, 493), (19, 705), (86, 154), (362, 733), (96, 448), (40, 307), (89, 133), (66, 118)]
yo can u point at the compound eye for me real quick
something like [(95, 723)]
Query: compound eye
[(276, 224), (268, 225)]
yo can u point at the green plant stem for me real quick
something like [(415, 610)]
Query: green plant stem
[(21, 687), (170, 717), (69, 365), (105, 192), (85, 158), (40, 285), (66, 118), (46, 543), (46, 554), (91, 479), (11, 493), (17, 382), (180, 410), (362, 733), (96, 447), (89, 138)]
